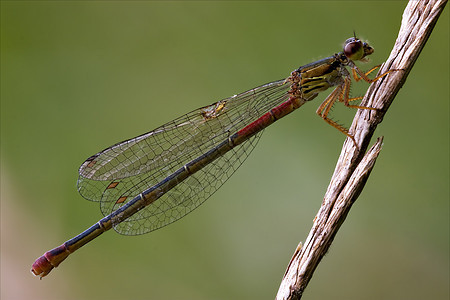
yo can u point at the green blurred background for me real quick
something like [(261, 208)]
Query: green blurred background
[(77, 77)]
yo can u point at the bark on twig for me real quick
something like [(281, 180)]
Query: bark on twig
[(353, 167)]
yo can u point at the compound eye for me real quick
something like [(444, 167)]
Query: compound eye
[(354, 49)]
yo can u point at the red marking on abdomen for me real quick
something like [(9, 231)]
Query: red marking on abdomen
[(269, 117), (257, 125), (51, 259)]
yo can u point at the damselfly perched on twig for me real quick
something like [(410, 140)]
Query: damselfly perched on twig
[(152, 180)]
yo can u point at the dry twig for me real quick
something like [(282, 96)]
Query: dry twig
[(353, 167)]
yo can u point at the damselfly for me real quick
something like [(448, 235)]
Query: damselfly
[(152, 180)]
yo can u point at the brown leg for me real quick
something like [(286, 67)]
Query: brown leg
[(357, 71), (327, 104)]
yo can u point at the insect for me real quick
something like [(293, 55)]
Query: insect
[(154, 179)]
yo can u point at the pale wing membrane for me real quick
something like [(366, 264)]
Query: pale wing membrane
[(189, 194), (119, 173)]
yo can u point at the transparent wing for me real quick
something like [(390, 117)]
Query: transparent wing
[(121, 172)]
